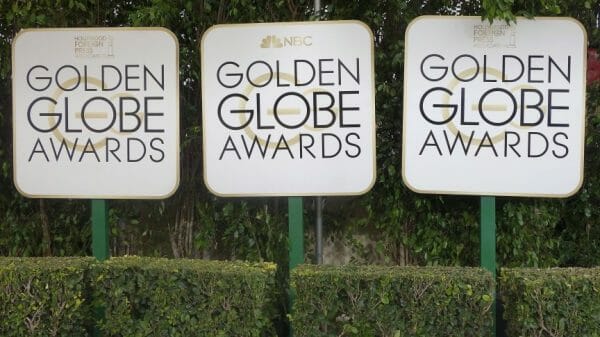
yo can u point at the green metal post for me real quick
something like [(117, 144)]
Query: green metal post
[(100, 248), (296, 241), (488, 242), (296, 231)]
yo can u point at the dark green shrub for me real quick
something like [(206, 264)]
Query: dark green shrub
[(391, 301), (44, 297), (160, 297), (551, 302)]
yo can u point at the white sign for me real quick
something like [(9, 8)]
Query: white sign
[(96, 113), (494, 109), (288, 109)]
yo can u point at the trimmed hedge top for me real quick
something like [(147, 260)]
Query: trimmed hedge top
[(308, 270), (43, 263), (195, 265)]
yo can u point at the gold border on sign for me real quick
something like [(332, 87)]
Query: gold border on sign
[(372, 106), (177, 117), (405, 111)]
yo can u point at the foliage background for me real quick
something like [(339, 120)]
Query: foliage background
[(400, 227)]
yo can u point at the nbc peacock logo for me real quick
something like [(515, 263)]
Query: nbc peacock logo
[(271, 41)]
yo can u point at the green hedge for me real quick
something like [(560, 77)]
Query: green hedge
[(141, 297), (551, 302), (44, 297), (160, 297), (391, 301)]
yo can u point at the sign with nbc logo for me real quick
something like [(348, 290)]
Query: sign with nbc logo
[(288, 109)]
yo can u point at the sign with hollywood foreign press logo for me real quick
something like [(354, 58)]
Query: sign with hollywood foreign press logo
[(96, 113), (494, 109), (288, 109)]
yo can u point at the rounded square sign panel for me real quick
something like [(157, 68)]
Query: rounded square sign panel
[(96, 113), (494, 109), (288, 109)]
